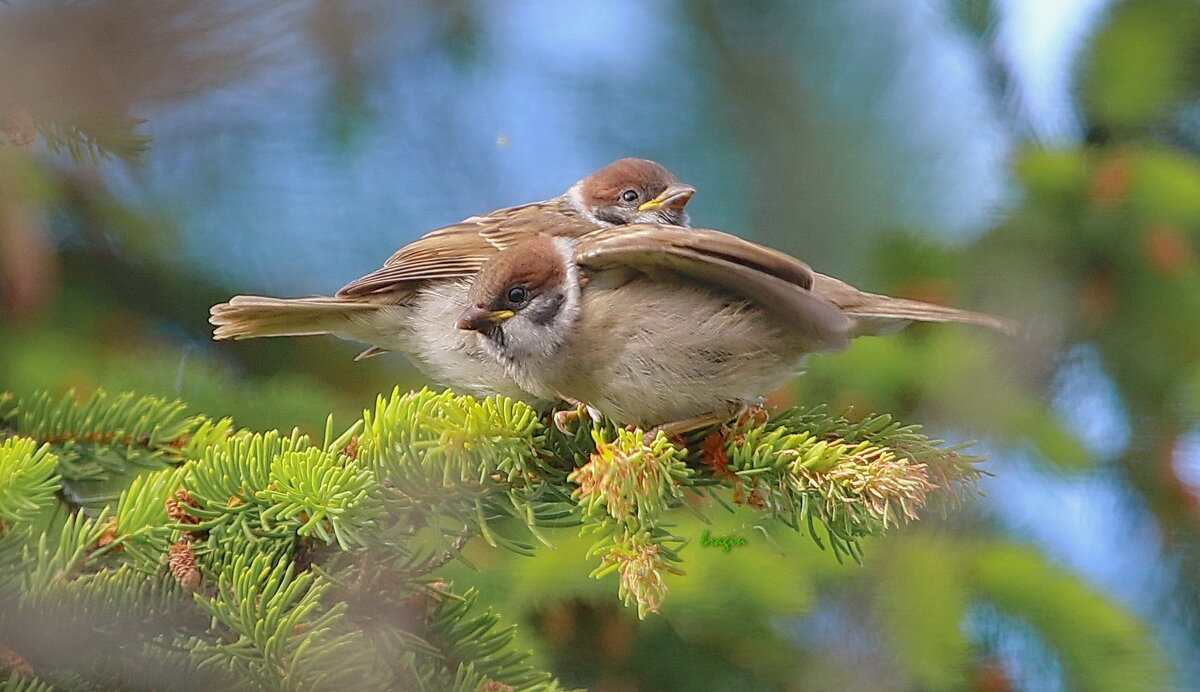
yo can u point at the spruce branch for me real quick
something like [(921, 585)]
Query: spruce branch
[(124, 420), (437, 562), (625, 489), (475, 462), (820, 472), (628, 481), (96, 140), (17, 681), (62, 555), (274, 616), (322, 491), (103, 438), (477, 640), (142, 529), (28, 482), (309, 561)]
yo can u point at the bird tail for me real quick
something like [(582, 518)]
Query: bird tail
[(249, 317)]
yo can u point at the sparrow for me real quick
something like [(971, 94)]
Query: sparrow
[(411, 303), (653, 325)]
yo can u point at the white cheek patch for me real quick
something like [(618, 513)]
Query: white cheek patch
[(575, 200)]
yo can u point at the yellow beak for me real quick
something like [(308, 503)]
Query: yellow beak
[(477, 317), (674, 197)]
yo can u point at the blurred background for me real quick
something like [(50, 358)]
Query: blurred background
[(1034, 159)]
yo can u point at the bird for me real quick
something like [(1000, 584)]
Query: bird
[(653, 325), (411, 303)]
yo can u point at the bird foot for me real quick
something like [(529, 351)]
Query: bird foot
[(567, 416), (751, 413)]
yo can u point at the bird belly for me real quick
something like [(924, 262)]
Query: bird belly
[(685, 351)]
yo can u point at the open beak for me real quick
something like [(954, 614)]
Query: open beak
[(476, 317), (674, 197)]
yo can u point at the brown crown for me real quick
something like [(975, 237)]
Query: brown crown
[(603, 186), (535, 264)]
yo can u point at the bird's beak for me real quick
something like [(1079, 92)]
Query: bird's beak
[(477, 317), (674, 197)]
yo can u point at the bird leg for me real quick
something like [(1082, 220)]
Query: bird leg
[(676, 429), (752, 412), (744, 412), (567, 416)]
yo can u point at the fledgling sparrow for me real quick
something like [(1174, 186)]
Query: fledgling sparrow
[(411, 303), (653, 325)]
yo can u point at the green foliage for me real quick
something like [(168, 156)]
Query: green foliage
[(1143, 63), (944, 368), (276, 632), (321, 490), (851, 479), (74, 348), (481, 649), (28, 480), (309, 561), (1101, 646), (624, 491), (921, 599), (476, 464), (628, 481), (141, 518), (1101, 250), (125, 420), (93, 142), (16, 683), (101, 439)]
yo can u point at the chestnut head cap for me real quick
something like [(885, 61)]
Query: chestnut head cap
[(635, 191)]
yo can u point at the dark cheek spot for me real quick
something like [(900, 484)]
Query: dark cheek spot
[(545, 313), (610, 215)]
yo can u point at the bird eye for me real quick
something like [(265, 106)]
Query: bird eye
[(517, 294), (629, 195)]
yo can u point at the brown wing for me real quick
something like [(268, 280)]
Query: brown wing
[(879, 314), (772, 279), (460, 249)]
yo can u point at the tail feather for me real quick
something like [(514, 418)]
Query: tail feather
[(249, 317)]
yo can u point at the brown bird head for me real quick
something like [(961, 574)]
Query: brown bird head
[(632, 191), (525, 300)]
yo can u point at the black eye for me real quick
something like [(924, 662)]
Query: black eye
[(629, 195), (517, 294)]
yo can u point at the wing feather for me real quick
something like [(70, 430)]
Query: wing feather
[(459, 250), (772, 279)]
